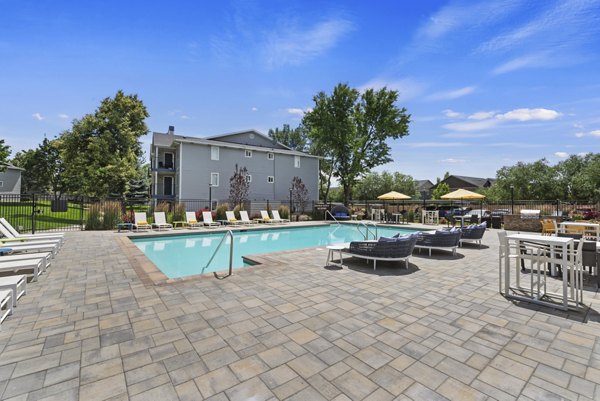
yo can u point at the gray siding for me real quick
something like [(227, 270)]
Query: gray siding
[(11, 181), (197, 167)]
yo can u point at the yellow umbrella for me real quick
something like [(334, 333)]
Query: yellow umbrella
[(462, 194), (393, 196)]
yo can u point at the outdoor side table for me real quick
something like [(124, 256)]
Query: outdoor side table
[(125, 226), (180, 224), (331, 252)]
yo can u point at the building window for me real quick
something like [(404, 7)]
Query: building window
[(1, 184), (297, 161), (248, 153), (271, 156), (214, 179), (248, 178), (270, 179), (214, 153)]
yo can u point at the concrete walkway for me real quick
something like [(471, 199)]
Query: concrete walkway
[(292, 329)]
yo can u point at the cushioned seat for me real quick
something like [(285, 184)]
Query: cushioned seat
[(441, 239), (473, 233), (390, 249)]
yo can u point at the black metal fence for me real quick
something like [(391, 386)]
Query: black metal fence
[(31, 213)]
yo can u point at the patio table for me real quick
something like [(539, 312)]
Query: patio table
[(589, 230)]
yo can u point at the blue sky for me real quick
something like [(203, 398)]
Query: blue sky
[(488, 83)]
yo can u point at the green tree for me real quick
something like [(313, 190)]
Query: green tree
[(43, 169), (239, 186), (352, 129), (441, 189), (295, 139), (4, 153), (101, 150)]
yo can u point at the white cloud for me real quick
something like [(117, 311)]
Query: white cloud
[(63, 116), (595, 133), (436, 144), (184, 117), (296, 111), (452, 161), (254, 109), (452, 94), (293, 46), (465, 135), (529, 114), (452, 114), (481, 115), (562, 155), (407, 88), (578, 126), (471, 125), (583, 154), (579, 134), (37, 116)]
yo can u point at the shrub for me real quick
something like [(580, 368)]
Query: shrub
[(93, 220), (410, 216), (179, 212), (163, 207), (284, 212), (111, 215), (221, 209), (128, 217)]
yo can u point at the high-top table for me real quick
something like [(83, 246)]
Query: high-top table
[(588, 230), (541, 250)]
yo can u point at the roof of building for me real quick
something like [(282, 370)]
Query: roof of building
[(476, 182), (12, 167), (423, 183)]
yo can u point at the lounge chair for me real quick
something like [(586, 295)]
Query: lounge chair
[(473, 233), (6, 305), (278, 218), (34, 247), (208, 221), (340, 212), (45, 256), (231, 218), (8, 238), (141, 222), (387, 249), (15, 266), (245, 218), (440, 239), (15, 233), (16, 284), (192, 221), (549, 227), (265, 218), (160, 221)]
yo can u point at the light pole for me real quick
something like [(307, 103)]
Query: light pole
[(512, 199), (210, 197)]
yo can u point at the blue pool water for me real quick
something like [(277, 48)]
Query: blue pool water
[(185, 255)]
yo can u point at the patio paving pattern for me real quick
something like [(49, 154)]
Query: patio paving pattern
[(292, 329)]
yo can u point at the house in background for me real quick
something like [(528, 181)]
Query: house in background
[(424, 187), (471, 183), (189, 168), (10, 180)]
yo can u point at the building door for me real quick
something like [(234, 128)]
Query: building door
[(168, 186), (168, 160)]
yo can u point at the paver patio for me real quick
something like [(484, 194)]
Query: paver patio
[(91, 330)]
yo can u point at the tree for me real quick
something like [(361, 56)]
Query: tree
[(352, 129), (43, 169), (374, 184), (239, 186), (101, 150), (295, 139), (440, 189), (299, 193), (4, 153)]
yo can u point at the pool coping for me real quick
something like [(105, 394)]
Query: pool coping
[(151, 275)]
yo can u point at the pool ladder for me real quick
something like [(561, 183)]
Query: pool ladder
[(367, 231), (229, 234), (332, 216)]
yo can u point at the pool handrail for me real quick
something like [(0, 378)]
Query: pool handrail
[(367, 230), (332, 216), (228, 233)]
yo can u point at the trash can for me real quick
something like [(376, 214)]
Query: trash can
[(496, 221)]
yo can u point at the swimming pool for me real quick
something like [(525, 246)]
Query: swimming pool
[(185, 255)]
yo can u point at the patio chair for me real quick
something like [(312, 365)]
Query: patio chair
[(440, 239), (15, 233), (208, 221), (160, 221), (45, 256), (245, 218), (548, 226), (35, 246), (473, 233), (231, 218), (474, 219), (277, 217), (141, 222), (385, 249), (191, 220), (16, 284), (6, 305), (265, 218), (7, 238), (14, 266)]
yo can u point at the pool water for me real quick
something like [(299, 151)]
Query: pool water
[(185, 255)]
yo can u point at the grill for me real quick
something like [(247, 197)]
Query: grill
[(530, 214)]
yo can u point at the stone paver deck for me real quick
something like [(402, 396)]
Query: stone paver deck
[(91, 330)]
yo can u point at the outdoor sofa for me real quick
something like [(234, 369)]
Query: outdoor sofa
[(386, 249), (440, 239), (473, 233)]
